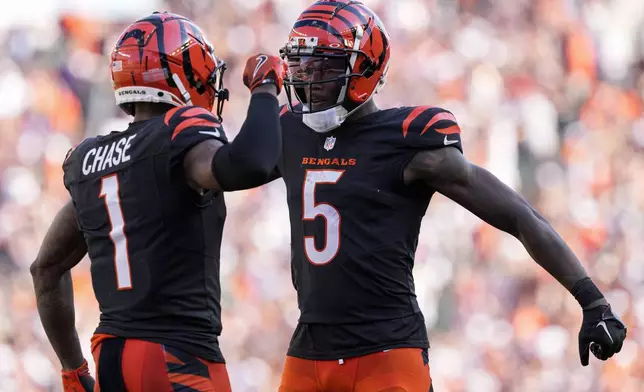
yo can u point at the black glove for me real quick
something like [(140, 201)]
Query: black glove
[(78, 380), (601, 332)]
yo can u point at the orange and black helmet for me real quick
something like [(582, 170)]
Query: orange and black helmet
[(165, 58), (350, 48)]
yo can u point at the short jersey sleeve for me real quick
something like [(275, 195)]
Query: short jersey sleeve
[(189, 126), (427, 127), (72, 163)]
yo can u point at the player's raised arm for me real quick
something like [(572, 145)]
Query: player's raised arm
[(447, 171), (250, 159), (62, 248)]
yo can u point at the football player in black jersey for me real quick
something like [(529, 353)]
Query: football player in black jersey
[(359, 180), (147, 207)]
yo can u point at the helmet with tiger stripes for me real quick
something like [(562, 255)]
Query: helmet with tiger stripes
[(165, 58), (342, 35)]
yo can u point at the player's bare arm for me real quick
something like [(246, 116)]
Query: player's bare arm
[(62, 249), (448, 172)]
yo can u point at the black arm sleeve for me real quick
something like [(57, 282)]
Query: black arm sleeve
[(251, 157)]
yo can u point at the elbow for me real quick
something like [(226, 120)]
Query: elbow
[(38, 275), (528, 223), (256, 171), (240, 174), (261, 167), (237, 169), (35, 269), (43, 276), (255, 167)]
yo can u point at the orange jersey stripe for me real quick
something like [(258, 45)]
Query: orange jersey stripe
[(449, 130), (196, 111), (437, 118), (191, 122), (412, 116), (169, 115)]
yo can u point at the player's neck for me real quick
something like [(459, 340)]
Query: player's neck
[(145, 111), (366, 109)]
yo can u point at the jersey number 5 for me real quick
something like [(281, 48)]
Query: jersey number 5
[(311, 210), (110, 194)]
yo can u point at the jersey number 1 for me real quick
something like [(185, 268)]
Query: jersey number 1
[(110, 194), (311, 210)]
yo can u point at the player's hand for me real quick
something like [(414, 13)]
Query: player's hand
[(78, 380), (602, 333), (264, 69)]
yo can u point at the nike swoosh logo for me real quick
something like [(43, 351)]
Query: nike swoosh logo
[(262, 59), (603, 325), (213, 133), (447, 142)]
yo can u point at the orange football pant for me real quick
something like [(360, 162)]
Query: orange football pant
[(153, 367), (397, 370)]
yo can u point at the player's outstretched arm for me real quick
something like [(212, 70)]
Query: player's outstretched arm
[(251, 157), (447, 171), (62, 249)]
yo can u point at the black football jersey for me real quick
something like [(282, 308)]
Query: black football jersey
[(153, 241), (355, 226)]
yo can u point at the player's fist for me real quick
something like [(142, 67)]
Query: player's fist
[(78, 380), (602, 333), (264, 69)]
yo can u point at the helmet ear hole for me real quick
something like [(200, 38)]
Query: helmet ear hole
[(367, 71), (367, 68), (201, 88)]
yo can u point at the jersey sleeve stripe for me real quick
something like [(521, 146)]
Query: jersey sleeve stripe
[(169, 114), (412, 116), (284, 110), (454, 129), (192, 112), (192, 122), (443, 116)]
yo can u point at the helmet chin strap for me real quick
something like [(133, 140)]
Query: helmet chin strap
[(184, 93)]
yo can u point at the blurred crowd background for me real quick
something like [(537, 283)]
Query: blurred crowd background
[(549, 97)]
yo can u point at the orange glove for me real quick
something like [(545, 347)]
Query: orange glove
[(264, 69), (78, 380)]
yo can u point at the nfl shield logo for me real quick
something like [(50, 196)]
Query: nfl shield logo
[(329, 143)]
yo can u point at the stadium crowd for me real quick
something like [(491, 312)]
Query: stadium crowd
[(548, 94)]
